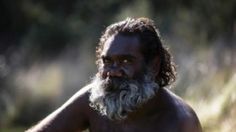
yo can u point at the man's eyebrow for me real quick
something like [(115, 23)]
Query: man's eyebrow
[(105, 57), (128, 56)]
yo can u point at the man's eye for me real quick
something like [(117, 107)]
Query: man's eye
[(106, 61), (125, 61)]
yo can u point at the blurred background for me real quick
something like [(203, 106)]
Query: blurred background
[(47, 54)]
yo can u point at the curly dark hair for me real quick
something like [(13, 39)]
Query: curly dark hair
[(151, 47)]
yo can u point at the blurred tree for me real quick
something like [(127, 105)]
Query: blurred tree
[(216, 17), (32, 31)]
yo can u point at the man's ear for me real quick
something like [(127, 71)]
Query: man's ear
[(155, 65)]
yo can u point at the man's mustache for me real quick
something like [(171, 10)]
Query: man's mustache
[(111, 84)]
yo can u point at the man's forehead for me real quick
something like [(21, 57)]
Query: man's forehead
[(120, 44)]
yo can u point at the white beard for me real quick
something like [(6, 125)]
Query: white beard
[(117, 104)]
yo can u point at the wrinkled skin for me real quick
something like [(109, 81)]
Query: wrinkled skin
[(121, 57)]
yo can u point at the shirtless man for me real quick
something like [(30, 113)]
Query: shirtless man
[(128, 93)]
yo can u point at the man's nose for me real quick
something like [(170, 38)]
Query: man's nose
[(114, 71)]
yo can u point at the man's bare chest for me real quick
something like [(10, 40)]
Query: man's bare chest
[(153, 124)]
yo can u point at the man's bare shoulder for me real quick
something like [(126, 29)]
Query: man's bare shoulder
[(184, 115), (82, 95), (80, 98), (71, 116)]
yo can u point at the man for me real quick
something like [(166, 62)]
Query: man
[(128, 93)]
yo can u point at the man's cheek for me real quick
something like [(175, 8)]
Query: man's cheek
[(128, 72), (102, 73)]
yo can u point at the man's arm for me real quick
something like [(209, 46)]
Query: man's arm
[(71, 116)]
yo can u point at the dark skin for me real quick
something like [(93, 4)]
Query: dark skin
[(121, 57)]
